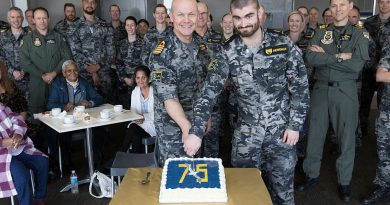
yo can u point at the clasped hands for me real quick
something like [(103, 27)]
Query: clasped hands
[(319, 49), (13, 142)]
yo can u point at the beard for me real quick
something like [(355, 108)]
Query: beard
[(249, 33), (89, 12), (69, 18)]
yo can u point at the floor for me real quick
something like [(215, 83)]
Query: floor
[(325, 193)]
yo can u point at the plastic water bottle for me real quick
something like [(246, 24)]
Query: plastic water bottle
[(74, 182)]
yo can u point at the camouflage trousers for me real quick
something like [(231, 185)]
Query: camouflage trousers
[(253, 147), (382, 177), (105, 88), (169, 140)]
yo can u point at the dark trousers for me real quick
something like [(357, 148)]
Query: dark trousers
[(20, 166), (134, 135)]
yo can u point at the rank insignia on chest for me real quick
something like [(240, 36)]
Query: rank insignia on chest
[(345, 37), (159, 48), (213, 64), (37, 42), (328, 38), (157, 75), (21, 43), (50, 41), (213, 40), (202, 47), (275, 50)]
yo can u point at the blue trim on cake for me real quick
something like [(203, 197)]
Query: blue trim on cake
[(174, 173)]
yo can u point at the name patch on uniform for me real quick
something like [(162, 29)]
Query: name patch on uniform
[(159, 48), (37, 42), (214, 40), (202, 47), (345, 37), (328, 38), (275, 50), (51, 41), (157, 75), (213, 64)]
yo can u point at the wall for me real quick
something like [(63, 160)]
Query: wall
[(5, 4), (137, 8)]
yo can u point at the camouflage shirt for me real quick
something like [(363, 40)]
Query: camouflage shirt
[(384, 62), (213, 41), (92, 43), (119, 33), (151, 38), (178, 69), (270, 84), (128, 57), (64, 28), (379, 30)]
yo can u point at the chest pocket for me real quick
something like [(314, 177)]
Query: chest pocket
[(275, 75)]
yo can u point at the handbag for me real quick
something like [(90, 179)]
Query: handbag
[(102, 184)]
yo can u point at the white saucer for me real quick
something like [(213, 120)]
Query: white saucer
[(105, 119), (118, 113)]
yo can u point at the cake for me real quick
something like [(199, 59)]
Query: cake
[(193, 180)]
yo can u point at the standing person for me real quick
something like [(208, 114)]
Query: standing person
[(327, 17), (64, 26), (178, 65), (270, 83), (379, 28), (227, 26), (128, 58), (313, 18), (41, 55), (116, 23), (29, 13), (338, 53), (142, 27), (10, 40), (17, 156), (93, 45), (382, 177), (153, 35)]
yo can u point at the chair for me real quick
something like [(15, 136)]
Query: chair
[(32, 186), (148, 141), (124, 160)]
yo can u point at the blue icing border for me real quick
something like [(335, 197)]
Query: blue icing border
[(174, 173)]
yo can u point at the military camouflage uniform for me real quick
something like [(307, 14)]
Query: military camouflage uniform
[(128, 58), (211, 139), (382, 177), (379, 30), (63, 27), (119, 33), (334, 98), (10, 56), (178, 70), (272, 93), (93, 43), (151, 38)]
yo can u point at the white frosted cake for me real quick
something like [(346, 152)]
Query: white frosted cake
[(193, 180)]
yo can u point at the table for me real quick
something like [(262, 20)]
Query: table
[(244, 186), (59, 126)]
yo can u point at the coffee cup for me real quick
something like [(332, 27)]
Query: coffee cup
[(68, 119), (105, 114), (55, 111), (79, 109), (118, 108)]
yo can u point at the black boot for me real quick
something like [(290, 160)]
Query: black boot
[(309, 182), (345, 193), (380, 193)]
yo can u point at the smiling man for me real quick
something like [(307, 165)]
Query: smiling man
[(269, 77), (178, 63), (338, 53)]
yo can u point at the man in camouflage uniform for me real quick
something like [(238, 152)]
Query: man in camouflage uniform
[(64, 26), (178, 65), (155, 33), (379, 28), (117, 25), (92, 43), (308, 32), (382, 178), (338, 53), (271, 86), (29, 17), (10, 39), (214, 44)]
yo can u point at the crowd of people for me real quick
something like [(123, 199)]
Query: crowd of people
[(283, 92)]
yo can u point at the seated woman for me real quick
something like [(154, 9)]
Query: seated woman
[(141, 103), (17, 156), (67, 92)]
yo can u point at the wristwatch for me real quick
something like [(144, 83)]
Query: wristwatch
[(339, 58)]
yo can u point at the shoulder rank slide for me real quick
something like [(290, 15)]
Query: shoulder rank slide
[(159, 48)]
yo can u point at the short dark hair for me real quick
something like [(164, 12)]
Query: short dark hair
[(323, 13), (114, 5), (239, 4), (41, 9), (25, 12), (144, 21), (315, 8), (160, 5), (131, 18), (225, 16), (144, 69), (303, 7), (69, 5), (357, 8)]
